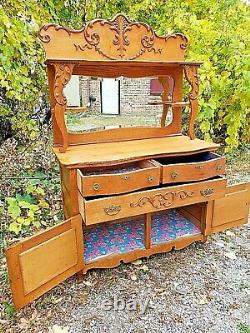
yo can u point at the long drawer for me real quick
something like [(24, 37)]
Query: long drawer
[(191, 168), (141, 202), (118, 179)]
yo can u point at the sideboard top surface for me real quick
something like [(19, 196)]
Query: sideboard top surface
[(98, 154)]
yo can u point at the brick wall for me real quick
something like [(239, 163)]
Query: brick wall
[(134, 96)]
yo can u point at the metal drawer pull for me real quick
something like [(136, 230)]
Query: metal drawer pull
[(150, 179), (207, 192), (219, 167), (96, 187), (126, 177), (112, 210), (174, 175)]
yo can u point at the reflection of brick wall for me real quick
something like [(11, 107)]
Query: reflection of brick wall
[(134, 96)]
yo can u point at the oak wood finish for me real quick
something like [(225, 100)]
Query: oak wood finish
[(69, 187), (113, 153), (105, 183), (191, 74), (147, 231), (115, 39), (142, 202), (44, 260), (231, 210), (192, 171), (111, 48)]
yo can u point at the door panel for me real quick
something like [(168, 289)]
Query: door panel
[(110, 96), (230, 211), (43, 261)]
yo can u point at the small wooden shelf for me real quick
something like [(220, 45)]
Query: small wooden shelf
[(172, 104)]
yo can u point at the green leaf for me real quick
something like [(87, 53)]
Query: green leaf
[(40, 191), (9, 309), (36, 224), (24, 204), (15, 227), (14, 211)]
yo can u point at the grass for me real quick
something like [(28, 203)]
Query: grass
[(243, 328), (78, 123)]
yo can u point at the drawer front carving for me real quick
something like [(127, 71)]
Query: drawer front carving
[(145, 174), (141, 202), (192, 171), (162, 200)]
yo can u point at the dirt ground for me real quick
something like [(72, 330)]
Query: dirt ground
[(204, 288)]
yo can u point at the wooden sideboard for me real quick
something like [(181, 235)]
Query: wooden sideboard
[(127, 192)]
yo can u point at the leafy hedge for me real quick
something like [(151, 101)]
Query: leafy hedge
[(218, 32)]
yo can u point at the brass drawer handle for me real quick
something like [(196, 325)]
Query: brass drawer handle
[(207, 192), (126, 177), (174, 175), (112, 210), (219, 168), (96, 187), (151, 179)]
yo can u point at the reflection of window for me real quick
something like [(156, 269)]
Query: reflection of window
[(155, 87)]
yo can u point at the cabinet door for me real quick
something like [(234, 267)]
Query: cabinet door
[(229, 211), (41, 262)]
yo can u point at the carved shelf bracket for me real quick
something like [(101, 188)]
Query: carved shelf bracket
[(162, 200), (63, 73), (192, 78)]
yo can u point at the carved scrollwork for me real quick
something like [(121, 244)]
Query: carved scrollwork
[(46, 38), (192, 78), (63, 74), (115, 39), (120, 26), (160, 200)]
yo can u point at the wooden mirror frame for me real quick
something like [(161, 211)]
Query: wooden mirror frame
[(114, 48)]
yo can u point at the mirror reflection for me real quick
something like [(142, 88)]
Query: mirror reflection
[(105, 103)]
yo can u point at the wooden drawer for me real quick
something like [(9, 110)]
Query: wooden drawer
[(118, 179), (141, 202), (191, 168)]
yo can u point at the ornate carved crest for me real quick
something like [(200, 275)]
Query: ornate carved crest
[(115, 39)]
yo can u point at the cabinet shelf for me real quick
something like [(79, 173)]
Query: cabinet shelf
[(172, 104), (107, 239), (116, 239)]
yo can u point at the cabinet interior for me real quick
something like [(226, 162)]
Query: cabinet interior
[(126, 235), (196, 158)]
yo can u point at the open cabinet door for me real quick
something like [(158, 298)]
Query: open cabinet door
[(229, 211), (44, 260)]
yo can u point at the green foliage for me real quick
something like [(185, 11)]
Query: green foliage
[(22, 74), (25, 209), (218, 36), (9, 309), (243, 328), (218, 33)]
